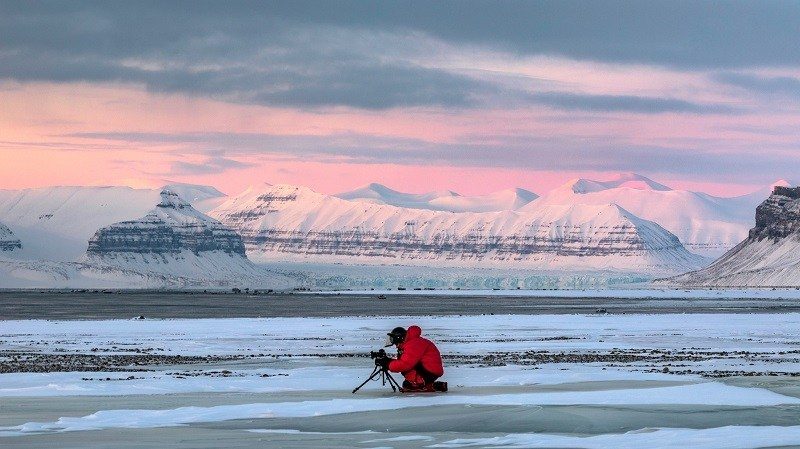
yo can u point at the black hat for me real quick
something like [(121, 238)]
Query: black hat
[(397, 335)]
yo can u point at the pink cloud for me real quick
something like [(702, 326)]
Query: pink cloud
[(37, 119)]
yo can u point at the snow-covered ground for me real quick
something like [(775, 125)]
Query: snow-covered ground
[(515, 380), (213, 270)]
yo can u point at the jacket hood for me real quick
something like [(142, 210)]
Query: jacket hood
[(413, 332)]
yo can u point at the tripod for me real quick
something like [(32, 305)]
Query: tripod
[(385, 377)]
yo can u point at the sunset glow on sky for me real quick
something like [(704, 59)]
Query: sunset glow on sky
[(473, 97)]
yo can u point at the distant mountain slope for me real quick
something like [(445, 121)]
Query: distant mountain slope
[(509, 199), (295, 223), (55, 223), (770, 256), (202, 198), (8, 242), (705, 224)]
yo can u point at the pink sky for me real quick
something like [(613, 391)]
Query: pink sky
[(316, 100), (39, 121)]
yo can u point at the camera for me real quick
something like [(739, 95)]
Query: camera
[(380, 371)]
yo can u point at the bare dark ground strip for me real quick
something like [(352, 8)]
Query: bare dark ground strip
[(95, 305)]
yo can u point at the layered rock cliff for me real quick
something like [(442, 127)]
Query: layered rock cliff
[(770, 256), (172, 227), (296, 223)]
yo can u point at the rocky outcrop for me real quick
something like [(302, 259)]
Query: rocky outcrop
[(171, 228), (296, 223), (770, 256), (778, 216), (8, 242)]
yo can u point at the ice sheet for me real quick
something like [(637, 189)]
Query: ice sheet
[(729, 437), (708, 393)]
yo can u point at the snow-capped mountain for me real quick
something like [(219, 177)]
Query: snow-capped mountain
[(174, 245), (174, 240), (172, 227), (620, 224), (705, 224), (510, 199), (769, 256), (746, 204), (54, 223), (296, 223), (8, 242), (620, 181)]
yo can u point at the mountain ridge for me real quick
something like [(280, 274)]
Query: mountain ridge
[(299, 223), (705, 224), (445, 200)]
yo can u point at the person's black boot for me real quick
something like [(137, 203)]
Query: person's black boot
[(408, 387)]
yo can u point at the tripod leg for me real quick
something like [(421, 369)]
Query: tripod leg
[(395, 386), (375, 372), (386, 377)]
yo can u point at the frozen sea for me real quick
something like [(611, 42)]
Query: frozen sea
[(611, 371)]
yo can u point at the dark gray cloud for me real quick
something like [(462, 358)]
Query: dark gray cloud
[(682, 33), (359, 53), (622, 103), (322, 80), (243, 54), (771, 85), (378, 87), (559, 153)]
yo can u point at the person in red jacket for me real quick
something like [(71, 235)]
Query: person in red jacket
[(418, 359)]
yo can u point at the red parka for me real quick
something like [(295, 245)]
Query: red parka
[(417, 350)]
